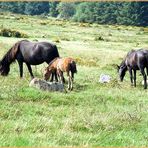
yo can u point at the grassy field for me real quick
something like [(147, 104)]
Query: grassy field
[(93, 114)]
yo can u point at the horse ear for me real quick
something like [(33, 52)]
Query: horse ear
[(118, 67)]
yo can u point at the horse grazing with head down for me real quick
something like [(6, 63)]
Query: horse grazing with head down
[(31, 53), (60, 65), (135, 60)]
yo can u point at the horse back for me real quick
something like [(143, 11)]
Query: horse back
[(136, 59), (37, 52), (67, 64)]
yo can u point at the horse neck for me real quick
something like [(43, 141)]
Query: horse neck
[(10, 56), (123, 65), (5, 60)]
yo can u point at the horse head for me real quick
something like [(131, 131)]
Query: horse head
[(4, 69), (46, 73), (122, 70)]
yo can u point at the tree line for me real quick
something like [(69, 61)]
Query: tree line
[(123, 13)]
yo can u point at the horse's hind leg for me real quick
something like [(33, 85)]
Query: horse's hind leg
[(69, 80), (21, 68), (144, 77), (30, 70), (135, 78), (131, 75), (69, 83), (147, 70), (72, 79), (72, 75)]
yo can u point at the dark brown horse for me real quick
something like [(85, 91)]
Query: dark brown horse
[(135, 60), (31, 53)]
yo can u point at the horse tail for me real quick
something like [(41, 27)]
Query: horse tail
[(7, 59), (73, 66)]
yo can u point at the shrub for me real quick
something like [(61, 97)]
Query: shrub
[(12, 33), (57, 40), (86, 62), (99, 38)]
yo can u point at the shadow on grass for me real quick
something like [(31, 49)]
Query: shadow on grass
[(80, 87)]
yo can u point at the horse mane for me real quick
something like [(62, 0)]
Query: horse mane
[(8, 58), (130, 52)]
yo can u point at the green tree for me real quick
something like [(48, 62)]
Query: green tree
[(106, 12), (36, 8), (53, 9), (66, 10), (143, 17), (85, 12)]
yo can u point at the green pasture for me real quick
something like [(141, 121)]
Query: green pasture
[(93, 114)]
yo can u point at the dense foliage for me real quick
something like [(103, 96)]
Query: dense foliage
[(126, 13)]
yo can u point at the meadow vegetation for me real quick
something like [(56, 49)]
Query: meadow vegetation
[(93, 114)]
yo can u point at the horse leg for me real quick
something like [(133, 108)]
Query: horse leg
[(60, 74), (63, 79), (30, 70), (135, 78), (144, 77), (56, 78), (21, 68), (147, 70), (71, 79), (131, 75), (72, 75), (51, 77)]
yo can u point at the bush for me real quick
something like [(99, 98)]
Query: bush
[(12, 33), (86, 62), (99, 38)]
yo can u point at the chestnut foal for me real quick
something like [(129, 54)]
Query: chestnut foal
[(61, 65)]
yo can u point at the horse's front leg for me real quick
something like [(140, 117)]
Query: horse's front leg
[(144, 77), (30, 70), (60, 74), (21, 68), (56, 77), (131, 75), (135, 78), (52, 76), (63, 79)]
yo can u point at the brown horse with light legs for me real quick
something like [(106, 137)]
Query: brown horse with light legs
[(61, 65)]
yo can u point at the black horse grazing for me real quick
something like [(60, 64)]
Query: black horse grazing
[(135, 60), (31, 53)]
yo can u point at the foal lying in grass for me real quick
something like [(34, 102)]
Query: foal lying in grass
[(60, 65)]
